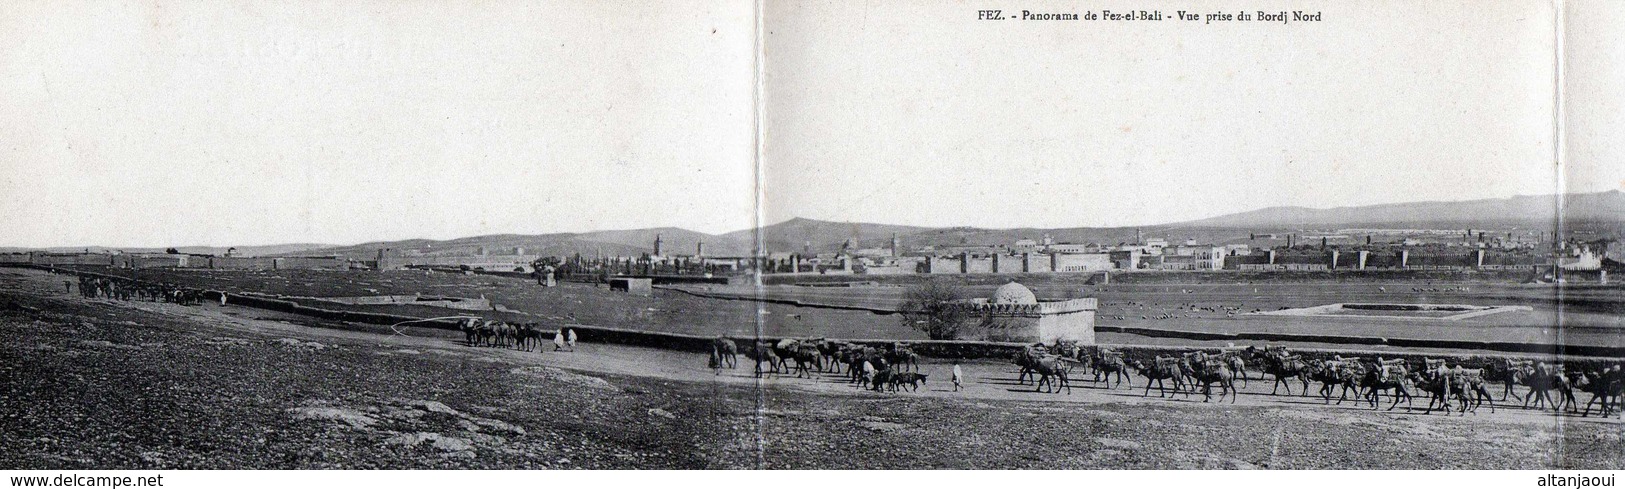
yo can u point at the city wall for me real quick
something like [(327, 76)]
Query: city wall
[(1023, 263), (1404, 259)]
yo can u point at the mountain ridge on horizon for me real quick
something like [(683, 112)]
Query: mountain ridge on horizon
[(797, 233)]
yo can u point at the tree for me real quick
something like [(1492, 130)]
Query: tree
[(547, 261), (934, 307)]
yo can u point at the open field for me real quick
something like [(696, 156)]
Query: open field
[(1201, 307), (109, 384), (570, 303), (1588, 316)]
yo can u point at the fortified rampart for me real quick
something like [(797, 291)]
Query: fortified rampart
[(1012, 264), (504, 263), (1401, 259)]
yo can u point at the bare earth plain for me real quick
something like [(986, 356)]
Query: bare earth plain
[(1594, 316), (93, 383)]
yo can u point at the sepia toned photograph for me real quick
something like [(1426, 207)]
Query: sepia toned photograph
[(887, 234)]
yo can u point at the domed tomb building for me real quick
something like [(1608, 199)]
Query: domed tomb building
[(1014, 314)]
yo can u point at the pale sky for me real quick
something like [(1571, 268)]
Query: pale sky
[(896, 112), (164, 123), (199, 122), (1594, 95)]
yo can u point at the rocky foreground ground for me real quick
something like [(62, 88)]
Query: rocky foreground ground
[(97, 384)]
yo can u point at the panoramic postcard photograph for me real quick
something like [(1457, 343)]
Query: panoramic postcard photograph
[(701, 234)]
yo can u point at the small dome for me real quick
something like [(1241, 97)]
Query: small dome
[(1012, 293)]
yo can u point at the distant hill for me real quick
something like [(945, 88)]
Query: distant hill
[(1605, 210), (281, 249), (968, 236), (675, 241), (1600, 209), (1522, 210), (824, 236), (561, 244)]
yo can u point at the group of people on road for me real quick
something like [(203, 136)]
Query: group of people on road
[(126, 289), (522, 336)]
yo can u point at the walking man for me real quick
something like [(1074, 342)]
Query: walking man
[(959, 376)]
